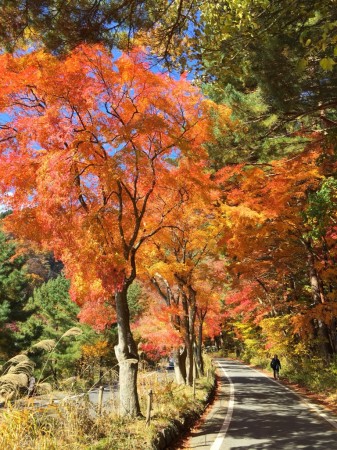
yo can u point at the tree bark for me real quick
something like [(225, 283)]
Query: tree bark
[(322, 329), (189, 363), (316, 287), (127, 356), (179, 358), (187, 338), (199, 358)]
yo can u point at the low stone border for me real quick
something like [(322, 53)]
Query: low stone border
[(178, 427)]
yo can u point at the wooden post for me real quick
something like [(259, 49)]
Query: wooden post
[(100, 399), (149, 407)]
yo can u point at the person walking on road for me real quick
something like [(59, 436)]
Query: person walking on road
[(276, 366)]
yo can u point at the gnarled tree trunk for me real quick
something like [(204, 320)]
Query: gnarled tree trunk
[(127, 356), (179, 358)]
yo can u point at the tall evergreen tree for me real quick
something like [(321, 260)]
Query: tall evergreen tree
[(249, 138), (51, 310), (284, 50), (14, 293)]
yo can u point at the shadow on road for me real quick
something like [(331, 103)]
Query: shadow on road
[(266, 416)]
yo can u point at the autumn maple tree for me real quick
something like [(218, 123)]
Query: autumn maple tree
[(90, 151), (281, 241), (182, 272)]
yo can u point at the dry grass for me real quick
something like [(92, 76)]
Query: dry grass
[(15, 377), (46, 345), (70, 426)]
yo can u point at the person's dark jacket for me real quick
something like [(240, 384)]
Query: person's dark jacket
[(275, 364)]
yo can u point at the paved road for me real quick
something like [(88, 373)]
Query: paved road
[(252, 411)]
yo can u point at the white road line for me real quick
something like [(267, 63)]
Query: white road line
[(222, 433)]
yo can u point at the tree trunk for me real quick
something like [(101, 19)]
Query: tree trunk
[(199, 358), (318, 296), (101, 373), (333, 335), (188, 334), (127, 356), (322, 332), (54, 372), (179, 358), (189, 363), (316, 287)]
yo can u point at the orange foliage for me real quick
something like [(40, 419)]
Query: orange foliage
[(85, 159), (265, 232), (185, 267)]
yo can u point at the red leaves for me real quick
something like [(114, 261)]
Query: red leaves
[(264, 209)]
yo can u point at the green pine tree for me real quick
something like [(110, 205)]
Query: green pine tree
[(51, 312), (14, 293)]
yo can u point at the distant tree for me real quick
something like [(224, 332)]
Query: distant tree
[(42, 266), (182, 262), (14, 293), (51, 314), (51, 310), (281, 243)]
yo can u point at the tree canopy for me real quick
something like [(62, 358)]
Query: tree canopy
[(96, 152), (216, 188)]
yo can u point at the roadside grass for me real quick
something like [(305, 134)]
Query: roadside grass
[(68, 426), (315, 376)]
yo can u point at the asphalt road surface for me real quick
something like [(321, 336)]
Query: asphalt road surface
[(252, 411)]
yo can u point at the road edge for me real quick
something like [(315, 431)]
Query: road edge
[(320, 410)]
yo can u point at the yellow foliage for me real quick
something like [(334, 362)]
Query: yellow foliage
[(100, 348), (279, 334)]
